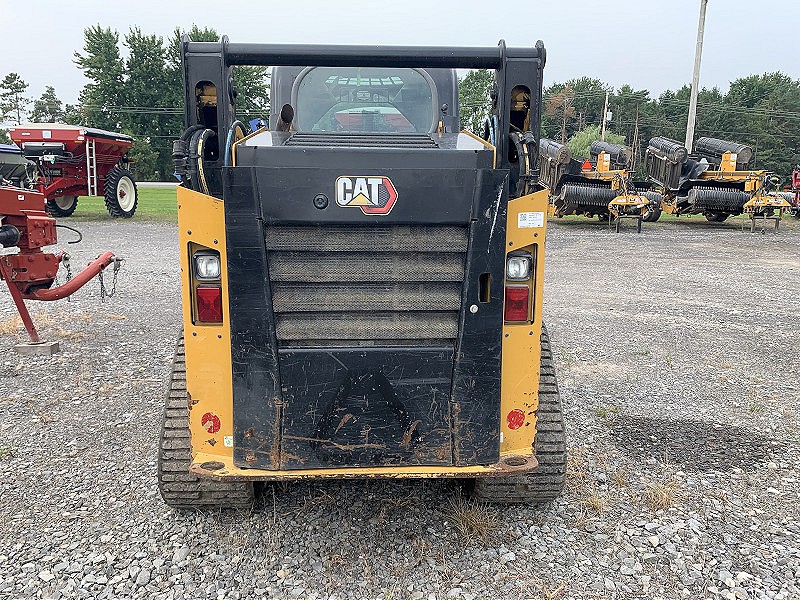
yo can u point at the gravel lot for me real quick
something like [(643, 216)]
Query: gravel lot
[(677, 352)]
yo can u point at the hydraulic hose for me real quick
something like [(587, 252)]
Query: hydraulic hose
[(229, 140)]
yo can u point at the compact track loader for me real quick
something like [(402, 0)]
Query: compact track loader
[(362, 282), (716, 181)]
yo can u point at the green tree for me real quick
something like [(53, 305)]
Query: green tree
[(74, 115), (101, 63), (571, 106), (12, 98), (580, 141), (4, 139), (560, 107), (148, 114), (474, 100), (764, 111), (145, 161), (48, 108)]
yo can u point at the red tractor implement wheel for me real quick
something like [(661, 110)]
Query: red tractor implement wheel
[(121, 195), (62, 206)]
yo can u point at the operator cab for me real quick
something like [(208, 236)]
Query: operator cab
[(366, 99)]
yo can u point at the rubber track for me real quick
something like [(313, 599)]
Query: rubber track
[(178, 487), (546, 482)]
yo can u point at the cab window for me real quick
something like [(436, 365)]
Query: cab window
[(359, 99)]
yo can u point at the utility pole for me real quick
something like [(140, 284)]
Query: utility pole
[(605, 116), (698, 53), (635, 144)]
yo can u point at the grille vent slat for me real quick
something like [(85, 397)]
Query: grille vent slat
[(366, 285), (336, 238), (366, 297), (370, 266), (366, 326)]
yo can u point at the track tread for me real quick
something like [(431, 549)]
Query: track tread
[(178, 487), (546, 482)]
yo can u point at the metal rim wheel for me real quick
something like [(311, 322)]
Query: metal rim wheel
[(126, 194), (121, 194), (62, 206)]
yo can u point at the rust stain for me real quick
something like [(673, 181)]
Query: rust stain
[(344, 420), (345, 447), (289, 456), (249, 433), (250, 457), (275, 450), (410, 432)]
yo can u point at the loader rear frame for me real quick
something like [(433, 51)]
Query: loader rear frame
[(456, 392)]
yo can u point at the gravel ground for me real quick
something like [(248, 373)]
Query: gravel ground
[(677, 352)]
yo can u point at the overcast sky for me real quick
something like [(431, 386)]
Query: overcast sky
[(647, 43)]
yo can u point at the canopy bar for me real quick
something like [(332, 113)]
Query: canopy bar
[(429, 57)]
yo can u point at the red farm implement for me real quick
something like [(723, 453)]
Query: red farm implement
[(79, 161), (30, 273), (794, 200)]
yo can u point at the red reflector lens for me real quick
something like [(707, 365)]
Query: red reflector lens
[(209, 304), (515, 419), (516, 306)]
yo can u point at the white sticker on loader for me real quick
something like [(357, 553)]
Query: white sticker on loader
[(526, 220), (228, 441)]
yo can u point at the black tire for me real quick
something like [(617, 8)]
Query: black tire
[(179, 488), (653, 212), (117, 190), (62, 206), (546, 482), (716, 217)]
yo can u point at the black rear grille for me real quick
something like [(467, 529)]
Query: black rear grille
[(363, 140), (366, 285)]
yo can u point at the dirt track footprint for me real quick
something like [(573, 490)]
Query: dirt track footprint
[(694, 445)]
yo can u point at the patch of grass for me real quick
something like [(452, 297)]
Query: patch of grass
[(594, 500), (606, 411), (472, 519), (643, 352), (669, 360), (5, 452), (576, 466), (155, 204), (10, 325), (620, 477), (659, 496)]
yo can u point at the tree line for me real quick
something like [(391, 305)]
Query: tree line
[(762, 111), (141, 94)]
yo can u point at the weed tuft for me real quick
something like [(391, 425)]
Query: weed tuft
[(472, 519), (659, 496), (10, 325)]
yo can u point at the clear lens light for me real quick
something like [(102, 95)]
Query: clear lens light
[(207, 266), (518, 267)]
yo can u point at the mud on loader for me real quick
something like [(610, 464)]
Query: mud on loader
[(362, 282)]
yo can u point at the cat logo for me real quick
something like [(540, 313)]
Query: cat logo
[(374, 195)]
